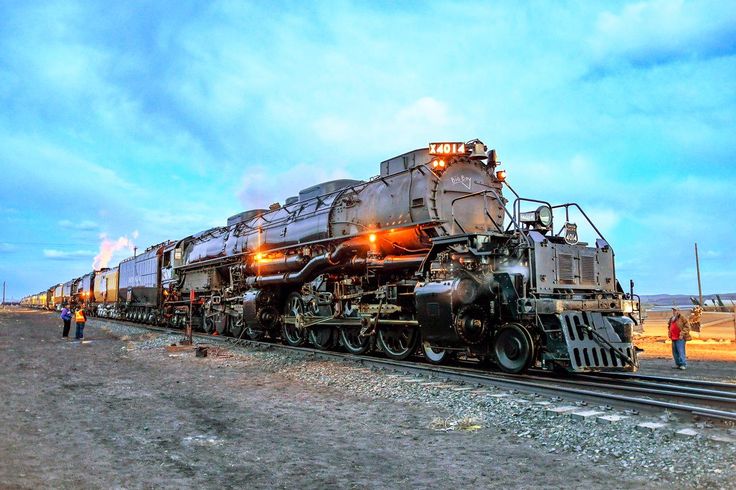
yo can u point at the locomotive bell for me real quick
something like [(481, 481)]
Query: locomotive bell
[(478, 152)]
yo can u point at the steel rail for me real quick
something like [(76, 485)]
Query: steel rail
[(664, 379), (692, 387), (464, 375), (653, 389)]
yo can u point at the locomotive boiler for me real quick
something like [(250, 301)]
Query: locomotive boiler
[(436, 255), (426, 253)]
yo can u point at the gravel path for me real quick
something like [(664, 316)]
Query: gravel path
[(120, 411)]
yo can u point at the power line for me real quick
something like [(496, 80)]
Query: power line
[(72, 244)]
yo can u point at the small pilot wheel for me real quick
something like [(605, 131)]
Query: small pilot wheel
[(433, 355), (513, 348), (290, 333)]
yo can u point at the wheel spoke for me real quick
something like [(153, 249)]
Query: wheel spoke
[(397, 343), (321, 337), (291, 333), (353, 341)]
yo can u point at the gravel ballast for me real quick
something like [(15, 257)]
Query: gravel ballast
[(657, 455), (120, 411)]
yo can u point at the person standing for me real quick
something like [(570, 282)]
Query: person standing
[(679, 333), (80, 318), (66, 315)]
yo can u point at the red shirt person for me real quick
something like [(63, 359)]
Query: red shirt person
[(679, 333)]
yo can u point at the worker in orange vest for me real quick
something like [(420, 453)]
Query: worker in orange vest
[(80, 318)]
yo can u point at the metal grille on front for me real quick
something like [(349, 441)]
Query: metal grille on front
[(585, 352), (565, 268), (587, 269)]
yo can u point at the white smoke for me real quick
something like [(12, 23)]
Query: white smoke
[(108, 247)]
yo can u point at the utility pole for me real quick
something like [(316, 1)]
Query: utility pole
[(697, 266), (3, 293)]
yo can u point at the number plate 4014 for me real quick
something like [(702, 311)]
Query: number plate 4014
[(447, 149)]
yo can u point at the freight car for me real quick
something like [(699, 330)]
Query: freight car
[(57, 297), (428, 256), (69, 292), (139, 286), (84, 295), (105, 293)]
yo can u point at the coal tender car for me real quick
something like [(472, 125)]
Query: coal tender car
[(427, 257)]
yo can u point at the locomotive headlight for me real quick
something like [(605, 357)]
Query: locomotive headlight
[(372, 238), (542, 216)]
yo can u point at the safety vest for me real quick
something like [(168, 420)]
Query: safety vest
[(80, 317)]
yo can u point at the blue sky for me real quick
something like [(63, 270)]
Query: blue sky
[(143, 121)]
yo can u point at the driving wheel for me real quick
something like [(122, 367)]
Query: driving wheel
[(290, 332), (514, 348)]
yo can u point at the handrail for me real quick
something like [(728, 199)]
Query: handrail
[(485, 209), (517, 204), (517, 212), (567, 217)]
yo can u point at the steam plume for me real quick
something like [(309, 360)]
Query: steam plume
[(108, 247)]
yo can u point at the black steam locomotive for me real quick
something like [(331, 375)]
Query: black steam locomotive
[(427, 257)]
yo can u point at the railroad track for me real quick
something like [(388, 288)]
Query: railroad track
[(708, 399)]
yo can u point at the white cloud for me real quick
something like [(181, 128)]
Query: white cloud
[(423, 119), (7, 247), (660, 31), (333, 129), (63, 255), (53, 163), (262, 186), (84, 225)]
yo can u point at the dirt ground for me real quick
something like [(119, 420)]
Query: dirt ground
[(94, 415), (711, 354), (97, 415), (714, 325), (701, 350)]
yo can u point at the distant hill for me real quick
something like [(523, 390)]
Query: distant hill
[(683, 299)]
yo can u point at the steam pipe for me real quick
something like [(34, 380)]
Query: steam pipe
[(285, 263), (390, 262), (308, 271)]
